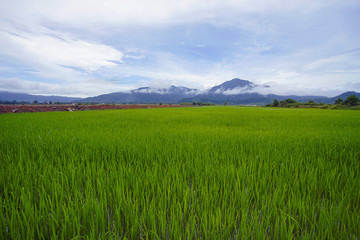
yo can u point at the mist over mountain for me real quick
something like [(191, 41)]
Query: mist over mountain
[(235, 91), (231, 86), (172, 94), (170, 90)]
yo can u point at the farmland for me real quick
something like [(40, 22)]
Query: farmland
[(15, 108), (181, 173)]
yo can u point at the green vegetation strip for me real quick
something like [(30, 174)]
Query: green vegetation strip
[(188, 173)]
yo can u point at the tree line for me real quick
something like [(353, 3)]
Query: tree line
[(352, 100)]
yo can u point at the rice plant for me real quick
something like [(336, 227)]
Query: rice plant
[(188, 173)]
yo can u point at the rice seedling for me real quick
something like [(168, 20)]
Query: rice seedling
[(188, 173)]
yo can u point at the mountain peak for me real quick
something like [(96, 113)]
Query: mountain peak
[(235, 83)]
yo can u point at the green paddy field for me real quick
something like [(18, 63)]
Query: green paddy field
[(181, 173)]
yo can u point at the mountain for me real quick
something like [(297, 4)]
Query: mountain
[(235, 83), (235, 91), (238, 91), (24, 97), (345, 95), (172, 94)]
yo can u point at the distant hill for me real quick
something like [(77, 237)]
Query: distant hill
[(24, 97), (235, 91), (172, 94), (345, 95)]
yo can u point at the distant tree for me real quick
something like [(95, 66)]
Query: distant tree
[(311, 102), (35, 102), (352, 100), (225, 103), (275, 103), (282, 103), (339, 101), (289, 100)]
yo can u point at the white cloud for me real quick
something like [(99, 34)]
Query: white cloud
[(55, 48), (300, 83), (68, 63), (295, 89), (325, 62), (335, 63), (75, 89), (37, 34), (96, 12)]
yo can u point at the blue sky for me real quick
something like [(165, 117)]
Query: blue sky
[(86, 48)]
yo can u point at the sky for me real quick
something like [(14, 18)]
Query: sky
[(83, 48)]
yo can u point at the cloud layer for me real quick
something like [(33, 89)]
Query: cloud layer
[(86, 48)]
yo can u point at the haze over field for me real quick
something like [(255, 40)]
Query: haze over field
[(87, 48)]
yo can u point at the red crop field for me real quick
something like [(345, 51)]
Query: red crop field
[(78, 107)]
